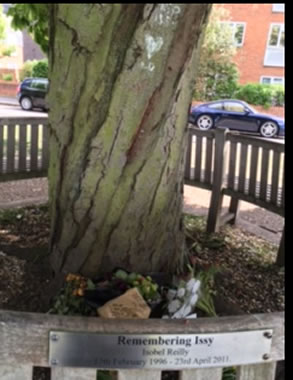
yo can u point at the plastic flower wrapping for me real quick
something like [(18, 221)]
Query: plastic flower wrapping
[(181, 302)]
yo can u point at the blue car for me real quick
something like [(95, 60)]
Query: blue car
[(237, 115)]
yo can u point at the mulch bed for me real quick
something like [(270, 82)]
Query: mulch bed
[(247, 276), (247, 279)]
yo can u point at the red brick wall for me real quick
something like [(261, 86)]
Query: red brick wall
[(8, 89), (250, 57)]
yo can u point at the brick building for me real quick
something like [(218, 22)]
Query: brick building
[(259, 36)]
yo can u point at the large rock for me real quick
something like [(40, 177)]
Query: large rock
[(130, 305)]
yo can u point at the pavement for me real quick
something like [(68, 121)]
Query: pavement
[(9, 101), (251, 218)]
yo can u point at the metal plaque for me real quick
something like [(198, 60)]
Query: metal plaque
[(176, 351)]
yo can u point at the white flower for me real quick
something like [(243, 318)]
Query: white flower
[(171, 294), (190, 284), (180, 293), (180, 313), (193, 300), (195, 287), (174, 306)]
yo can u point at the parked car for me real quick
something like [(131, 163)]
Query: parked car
[(238, 115), (31, 93)]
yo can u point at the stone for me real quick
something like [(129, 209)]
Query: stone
[(130, 305)]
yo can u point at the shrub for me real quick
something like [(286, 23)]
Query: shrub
[(261, 94), (7, 77), (40, 69), (218, 82), (27, 69)]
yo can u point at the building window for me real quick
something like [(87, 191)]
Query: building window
[(238, 31), (272, 80), (274, 55), (279, 7)]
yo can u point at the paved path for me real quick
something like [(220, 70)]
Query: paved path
[(196, 201)]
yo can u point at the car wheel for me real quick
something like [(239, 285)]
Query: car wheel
[(26, 103), (205, 122), (268, 129)]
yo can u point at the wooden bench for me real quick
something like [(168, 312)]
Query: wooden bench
[(24, 344)]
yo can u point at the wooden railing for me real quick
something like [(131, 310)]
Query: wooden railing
[(24, 148), (25, 343)]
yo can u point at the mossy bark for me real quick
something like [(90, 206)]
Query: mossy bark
[(121, 79)]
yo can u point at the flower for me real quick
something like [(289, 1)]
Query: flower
[(193, 300), (180, 293), (195, 287), (174, 306), (171, 294), (190, 284)]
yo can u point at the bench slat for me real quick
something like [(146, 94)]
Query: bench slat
[(11, 149), (22, 147), (1, 147), (208, 162), (188, 156), (135, 374), (198, 158), (243, 163), (34, 146), (264, 174), (16, 372), (63, 373), (201, 374), (232, 166), (257, 372), (253, 170)]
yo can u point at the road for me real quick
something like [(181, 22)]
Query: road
[(16, 111)]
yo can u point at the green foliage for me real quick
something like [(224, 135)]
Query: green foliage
[(229, 373), (3, 24), (261, 94), (206, 301), (37, 69), (10, 216), (217, 75), (70, 301), (147, 288), (40, 69), (34, 18), (8, 51), (219, 81), (27, 69), (7, 77)]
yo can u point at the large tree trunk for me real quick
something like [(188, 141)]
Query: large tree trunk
[(121, 81)]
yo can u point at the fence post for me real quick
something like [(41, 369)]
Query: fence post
[(219, 167)]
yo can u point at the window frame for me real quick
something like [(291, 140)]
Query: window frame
[(277, 48), (233, 25), (278, 9), (272, 77), (282, 29)]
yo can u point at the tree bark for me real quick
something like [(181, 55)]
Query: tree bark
[(121, 81)]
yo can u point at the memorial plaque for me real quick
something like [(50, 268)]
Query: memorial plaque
[(174, 351)]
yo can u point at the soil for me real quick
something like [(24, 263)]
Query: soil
[(247, 276)]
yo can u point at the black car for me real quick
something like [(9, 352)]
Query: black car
[(235, 114), (31, 93)]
